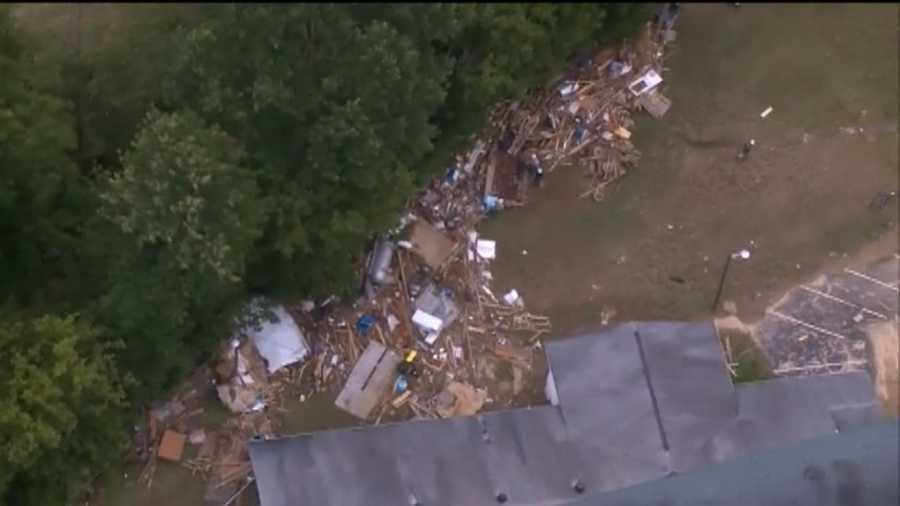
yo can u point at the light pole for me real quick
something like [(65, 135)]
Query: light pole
[(743, 254)]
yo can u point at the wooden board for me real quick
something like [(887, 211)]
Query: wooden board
[(370, 380), (503, 180), (655, 103), (432, 246), (172, 446)]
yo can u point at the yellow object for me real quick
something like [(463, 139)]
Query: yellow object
[(410, 356), (623, 133)]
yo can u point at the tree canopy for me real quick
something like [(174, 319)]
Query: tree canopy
[(184, 215), (43, 201), (59, 406)]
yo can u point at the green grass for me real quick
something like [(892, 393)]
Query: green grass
[(173, 485), (818, 66)]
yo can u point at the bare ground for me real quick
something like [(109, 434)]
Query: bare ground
[(657, 253)]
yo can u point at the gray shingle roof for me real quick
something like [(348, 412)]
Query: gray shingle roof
[(622, 393)]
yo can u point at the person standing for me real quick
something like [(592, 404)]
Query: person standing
[(538, 170), (744, 153)]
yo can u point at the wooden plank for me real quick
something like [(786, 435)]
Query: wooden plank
[(370, 379)]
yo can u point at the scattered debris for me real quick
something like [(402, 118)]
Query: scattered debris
[(766, 112), (279, 341), (512, 298), (460, 399), (433, 247), (428, 287), (607, 314), (241, 376), (197, 437), (401, 399), (730, 307), (380, 264), (645, 83), (486, 249), (503, 179), (881, 199), (655, 103)]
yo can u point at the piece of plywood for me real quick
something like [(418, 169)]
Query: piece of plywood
[(655, 103), (172, 446), (429, 244), (503, 179), (370, 380)]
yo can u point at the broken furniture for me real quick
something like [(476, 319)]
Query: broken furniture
[(645, 83), (370, 380), (503, 179), (435, 310)]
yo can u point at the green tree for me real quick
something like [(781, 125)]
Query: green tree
[(43, 201), (500, 51), (182, 188), (184, 214), (335, 117), (59, 406), (115, 80)]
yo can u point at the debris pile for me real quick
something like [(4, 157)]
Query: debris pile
[(429, 337), (163, 436), (586, 120), (444, 319), (428, 288)]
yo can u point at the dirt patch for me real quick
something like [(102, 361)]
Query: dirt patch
[(884, 350), (657, 249)]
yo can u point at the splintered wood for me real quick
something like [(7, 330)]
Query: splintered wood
[(586, 121)]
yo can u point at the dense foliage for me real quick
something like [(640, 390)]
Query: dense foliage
[(154, 180)]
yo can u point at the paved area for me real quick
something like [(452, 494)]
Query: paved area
[(821, 327)]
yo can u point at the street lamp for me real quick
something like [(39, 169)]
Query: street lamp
[(743, 254)]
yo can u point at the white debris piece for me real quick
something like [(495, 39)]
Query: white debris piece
[(568, 89), (281, 343), (512, 297), (431, 338), (645, 83), (473, 236), (392, 322), (487, 249), (766, 112), (427, 321)]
